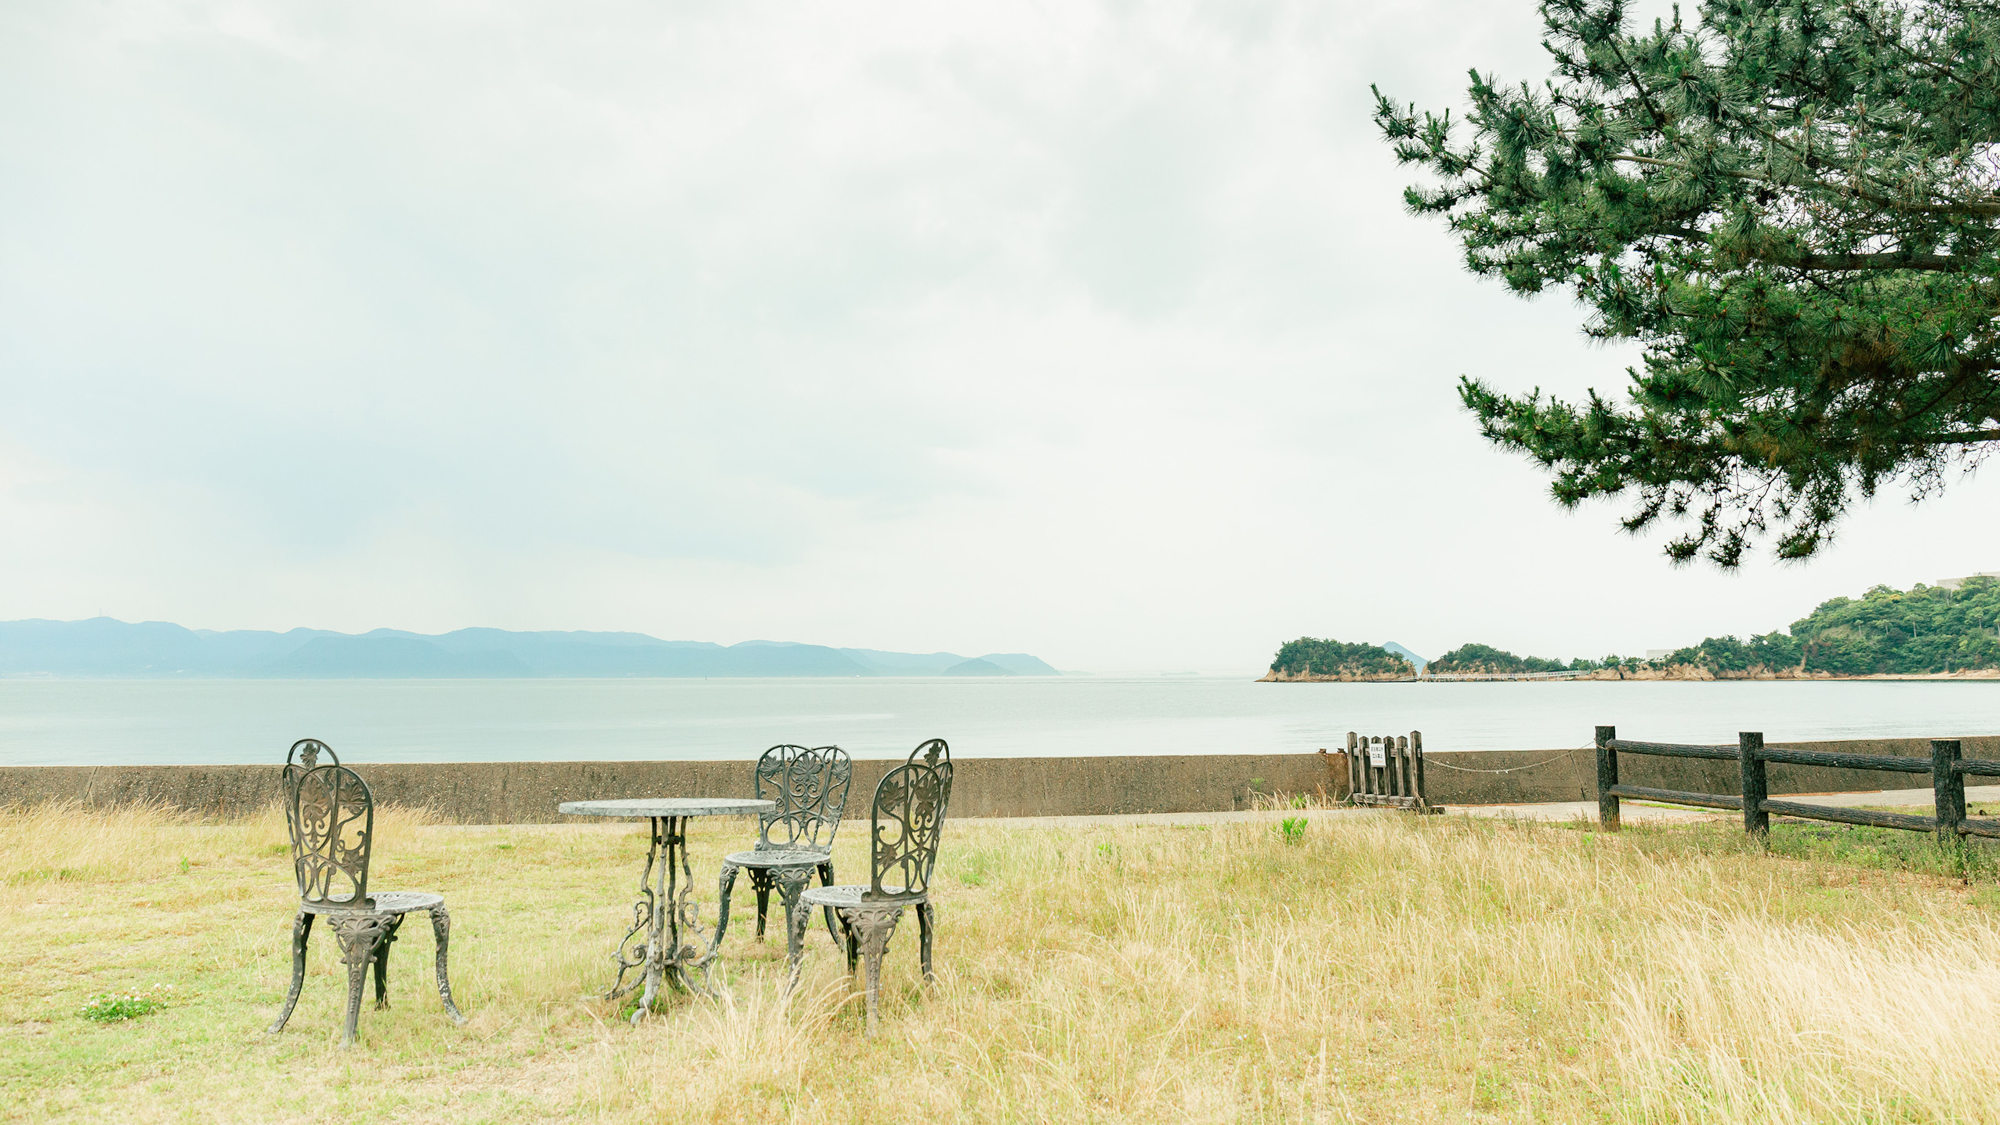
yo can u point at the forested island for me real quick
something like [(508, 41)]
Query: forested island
[(1315, 659), (1947, 629)]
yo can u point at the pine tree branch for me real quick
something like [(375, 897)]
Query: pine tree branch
[(1889, 260), (1978, 207)]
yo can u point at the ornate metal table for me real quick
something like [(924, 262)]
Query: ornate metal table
[(663, 908)]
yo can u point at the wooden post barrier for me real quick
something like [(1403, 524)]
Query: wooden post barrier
[(1607, 779), (1947, 788), (1417, 768), (1387, 771), (1946, 765), (1749, 749)]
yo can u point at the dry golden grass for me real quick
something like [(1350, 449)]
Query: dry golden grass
[(1383, 969)]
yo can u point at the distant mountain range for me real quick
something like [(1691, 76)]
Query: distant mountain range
[(103, 646)]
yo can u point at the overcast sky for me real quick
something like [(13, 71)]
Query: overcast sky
[(1092, 331)]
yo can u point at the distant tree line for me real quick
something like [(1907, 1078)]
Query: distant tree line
[(1487, 660), (1315, 656), (1926, 629), (1923, 630)]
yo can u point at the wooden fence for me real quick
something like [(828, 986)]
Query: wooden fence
[(1388, 771), (1946, 767)]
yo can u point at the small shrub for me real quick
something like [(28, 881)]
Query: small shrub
[(111, 1007), (1294, 829)]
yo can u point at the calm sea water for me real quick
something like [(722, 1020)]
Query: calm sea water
[(54, 722)]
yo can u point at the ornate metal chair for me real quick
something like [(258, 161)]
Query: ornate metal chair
[(331, 817), (794, 839), (936, 753), (904, 826)]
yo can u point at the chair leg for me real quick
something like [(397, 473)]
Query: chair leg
[(926, 921), (724, 884), (301, 930), (441, 929), (760, 881), (358, 935), (382, 962), (826, 880), (873, 924), (791, 883), (795, 945)]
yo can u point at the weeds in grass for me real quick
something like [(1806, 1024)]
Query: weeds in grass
[(1968, 860), (972, 869), (1294, 829), (1293, 802), (112, 1007)]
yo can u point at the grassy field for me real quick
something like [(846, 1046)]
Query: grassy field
[(1381, 968)]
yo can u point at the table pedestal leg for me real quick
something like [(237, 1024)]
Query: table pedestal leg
[(663, 848), (687, 962), (638, 958), (660, 912)]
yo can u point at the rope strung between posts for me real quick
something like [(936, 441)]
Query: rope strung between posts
[(1576, 773), (1570, 754)]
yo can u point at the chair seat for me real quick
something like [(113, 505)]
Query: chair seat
[(776, 857), (386, 902), (857, 895)]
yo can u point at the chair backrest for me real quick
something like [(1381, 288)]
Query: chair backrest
[(303, 756), (810, 788), (333, 832), (904, 828), (937, 755)]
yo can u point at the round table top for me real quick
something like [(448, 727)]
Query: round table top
[(668, 806)]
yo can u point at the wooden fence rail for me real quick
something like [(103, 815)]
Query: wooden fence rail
[(1946, 767)]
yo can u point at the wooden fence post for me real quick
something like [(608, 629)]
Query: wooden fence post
[(1353, 770), (1749, 753), (1417, 765), (1607, 776), (1947, 788)]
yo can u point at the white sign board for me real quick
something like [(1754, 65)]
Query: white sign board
[(1378, 755)]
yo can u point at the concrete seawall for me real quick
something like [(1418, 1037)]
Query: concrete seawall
[(528, 792)]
